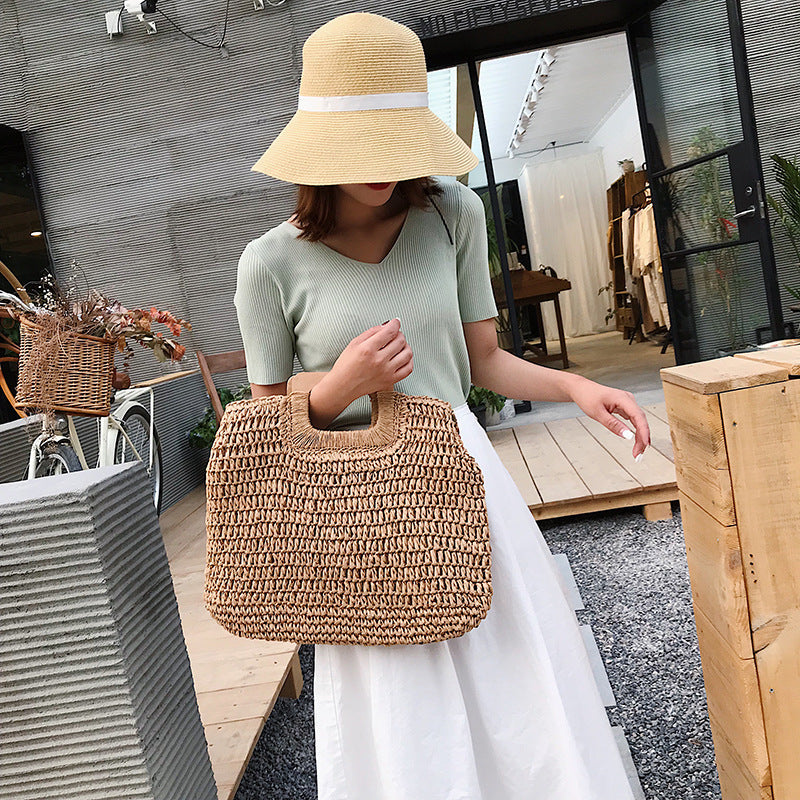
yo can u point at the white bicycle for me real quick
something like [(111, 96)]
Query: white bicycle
[(127, 434)]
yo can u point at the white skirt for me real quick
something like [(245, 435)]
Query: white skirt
[(508, 711)]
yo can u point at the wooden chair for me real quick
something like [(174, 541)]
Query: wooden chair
[(235, 359), (212, 365)]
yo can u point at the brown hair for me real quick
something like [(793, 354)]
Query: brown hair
[(315, 207)]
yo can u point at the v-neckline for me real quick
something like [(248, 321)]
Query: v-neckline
[(392, 250)]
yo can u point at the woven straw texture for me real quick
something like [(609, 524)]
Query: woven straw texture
[(374, 536), (77, 380), (364, 53)]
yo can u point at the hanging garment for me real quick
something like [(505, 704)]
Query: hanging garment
[(645, 244), (653, 282), (509, 710), (648, 324)]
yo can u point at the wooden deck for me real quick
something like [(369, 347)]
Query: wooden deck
[(577, 466), (237, 680)]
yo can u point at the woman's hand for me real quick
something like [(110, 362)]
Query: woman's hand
[(602, 402), (375, 360)]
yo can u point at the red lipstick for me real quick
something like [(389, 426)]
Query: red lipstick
[(378, 186)]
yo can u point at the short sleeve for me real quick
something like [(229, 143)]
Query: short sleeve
[(268, 340), (475, 295)]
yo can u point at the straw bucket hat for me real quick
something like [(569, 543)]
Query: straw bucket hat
[(362, 113)]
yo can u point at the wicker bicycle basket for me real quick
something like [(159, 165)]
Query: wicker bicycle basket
[(76, 381)]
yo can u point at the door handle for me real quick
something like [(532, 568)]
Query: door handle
[(748, 212)]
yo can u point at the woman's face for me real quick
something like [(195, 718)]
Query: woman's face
[(370, 194)]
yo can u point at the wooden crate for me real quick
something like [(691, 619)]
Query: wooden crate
[(735, 429)]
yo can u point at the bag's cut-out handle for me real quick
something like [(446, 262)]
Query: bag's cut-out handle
[(382, 430)]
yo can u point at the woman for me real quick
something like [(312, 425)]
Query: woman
[(385, 286)]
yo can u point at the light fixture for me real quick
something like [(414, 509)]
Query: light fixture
[(36, 233), (538, 77)]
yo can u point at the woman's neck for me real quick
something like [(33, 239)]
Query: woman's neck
[(351, 215)]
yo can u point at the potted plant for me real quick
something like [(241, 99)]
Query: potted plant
[(608, 288), (484, 403), (202, 434), (719, 269), (787, 206)]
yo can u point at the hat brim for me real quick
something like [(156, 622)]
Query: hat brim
[(331, 147)]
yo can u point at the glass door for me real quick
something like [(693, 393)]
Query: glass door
[(696, 114)]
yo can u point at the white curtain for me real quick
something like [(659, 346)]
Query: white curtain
[(566, 215)]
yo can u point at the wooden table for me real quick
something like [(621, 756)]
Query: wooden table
[(535, 288)]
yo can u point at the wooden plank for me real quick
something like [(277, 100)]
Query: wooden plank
[(657, 410), (165, 378), (597, 468), (189, 531), (660, 438), (762, 430), (292, 684), (589, 505), (553, 474), (722, 374), (716, 575), (507, 448), (778, 667), (230, 746), (788, 357), (235, 702), (735, 782), (734, 710), (172, 518), (701, 460), (655, 511), (653, 470)]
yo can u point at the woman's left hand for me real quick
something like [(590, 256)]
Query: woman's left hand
[(602, 402)]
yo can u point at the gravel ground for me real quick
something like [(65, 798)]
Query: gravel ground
[(633, 578)]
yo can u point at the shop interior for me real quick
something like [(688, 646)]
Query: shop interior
[(568, 159)]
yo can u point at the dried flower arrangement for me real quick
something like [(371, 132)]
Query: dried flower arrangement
[(59, 314)]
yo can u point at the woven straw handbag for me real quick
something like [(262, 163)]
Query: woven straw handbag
[(373, 536)]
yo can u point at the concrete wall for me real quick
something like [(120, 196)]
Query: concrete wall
[(98, 697)]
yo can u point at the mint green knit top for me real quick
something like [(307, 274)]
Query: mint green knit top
[(295, 297)]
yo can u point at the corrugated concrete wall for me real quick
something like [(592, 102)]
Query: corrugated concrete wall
[(143, 145), (98, 701)]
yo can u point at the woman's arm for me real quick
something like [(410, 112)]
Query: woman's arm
[(503, 372), (267, 389)]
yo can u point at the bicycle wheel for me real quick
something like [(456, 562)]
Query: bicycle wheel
[(57, 459), (136, 423)]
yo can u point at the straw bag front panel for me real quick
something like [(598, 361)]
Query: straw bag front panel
[(373, 536)]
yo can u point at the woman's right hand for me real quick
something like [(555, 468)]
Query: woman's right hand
[(375, 360)]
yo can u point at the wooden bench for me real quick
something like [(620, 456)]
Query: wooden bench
[(237, 680)]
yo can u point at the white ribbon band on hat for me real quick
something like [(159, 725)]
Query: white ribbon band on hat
[(362, 102)]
